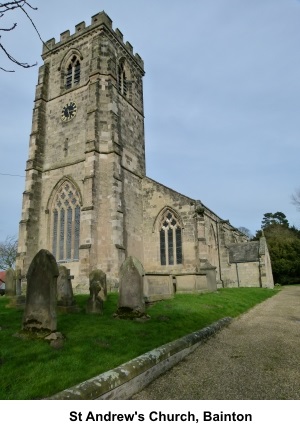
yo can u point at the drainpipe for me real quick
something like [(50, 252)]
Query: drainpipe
[(237, 274), (219, 258), (259, 264)]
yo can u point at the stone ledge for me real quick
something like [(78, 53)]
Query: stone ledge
[(128, 379)]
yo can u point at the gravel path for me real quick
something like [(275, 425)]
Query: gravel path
[(257, 357)]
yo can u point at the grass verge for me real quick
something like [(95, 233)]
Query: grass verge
[(31, 369)]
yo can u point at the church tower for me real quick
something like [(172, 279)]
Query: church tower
[(83, 191)]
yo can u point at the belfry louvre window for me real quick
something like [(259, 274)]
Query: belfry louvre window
[(73, 73), (66, 223), (122, 82), (170, 236)]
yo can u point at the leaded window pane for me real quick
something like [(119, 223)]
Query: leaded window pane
[(178, 246), (66, 223), (170, 246), (62, 234), (54, 237), (77, 231), (162, 247), (69, 232), (170, 240)]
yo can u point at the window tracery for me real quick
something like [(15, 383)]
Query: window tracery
[(122, 79), (66, 223), (72, 73), (170, 236)]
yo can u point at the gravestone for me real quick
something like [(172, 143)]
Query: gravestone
[(40, 308), (17, 300), (99, 276), (131, 292), (97, 282), (10, 283), (18, 282), (65, 297)]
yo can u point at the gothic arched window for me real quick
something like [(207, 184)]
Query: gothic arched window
[(170, 237), (72, 73), (122, 81), (66, 223)]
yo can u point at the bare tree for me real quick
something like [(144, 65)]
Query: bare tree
[(246, 231), (6, 8), (8, 252), (296, 199)]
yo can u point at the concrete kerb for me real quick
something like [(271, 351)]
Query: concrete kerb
[(128, 379)]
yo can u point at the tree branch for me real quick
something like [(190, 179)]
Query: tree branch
[(295, 198), (11, 58), (8, 252), (9, 7)]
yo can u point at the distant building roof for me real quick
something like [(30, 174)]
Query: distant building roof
[(2, 278), (244, 252)]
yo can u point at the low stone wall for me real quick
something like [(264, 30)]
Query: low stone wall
[(124, 381), (158, 286)]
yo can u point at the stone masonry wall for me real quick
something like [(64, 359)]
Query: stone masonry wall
[(156, 198), (102, 152), (106, 134)]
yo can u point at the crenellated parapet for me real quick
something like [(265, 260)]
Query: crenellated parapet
[(98, 22)]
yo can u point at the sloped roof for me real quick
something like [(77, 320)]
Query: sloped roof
[(2, 277), (243, 252)]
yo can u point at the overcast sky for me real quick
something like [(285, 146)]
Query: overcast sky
[(221, 93)]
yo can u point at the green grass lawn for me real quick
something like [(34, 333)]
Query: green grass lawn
[(31, 369)]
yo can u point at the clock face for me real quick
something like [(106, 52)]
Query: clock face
[(68, 111)]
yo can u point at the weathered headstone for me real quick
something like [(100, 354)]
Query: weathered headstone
[(65, 297), (99, 276), (10, 283), (18, 282), (40, 308), (17, 300), (131, 292), (95, 302)]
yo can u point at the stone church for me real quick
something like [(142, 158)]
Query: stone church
[(87, 198)]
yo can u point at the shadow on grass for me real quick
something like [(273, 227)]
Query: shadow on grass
[(96, 343)]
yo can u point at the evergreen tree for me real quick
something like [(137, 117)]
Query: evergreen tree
[(284, 247), (276, 218)]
